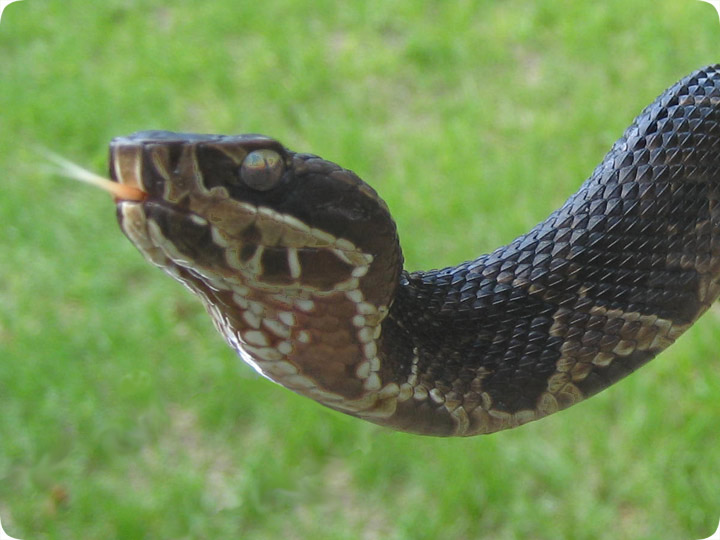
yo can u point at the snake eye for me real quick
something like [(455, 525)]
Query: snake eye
[(262, 169)]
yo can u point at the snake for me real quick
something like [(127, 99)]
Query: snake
[(298, 263)]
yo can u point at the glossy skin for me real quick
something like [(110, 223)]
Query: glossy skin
[(298, 263)]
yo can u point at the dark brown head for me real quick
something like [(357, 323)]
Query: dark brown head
[(267, 238)]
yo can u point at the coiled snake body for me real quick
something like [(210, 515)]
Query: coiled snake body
[(297, 260)]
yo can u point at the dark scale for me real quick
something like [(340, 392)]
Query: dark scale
[(621, 240)]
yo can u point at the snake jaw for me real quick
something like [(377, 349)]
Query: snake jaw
[(303, 306), (283, 329)]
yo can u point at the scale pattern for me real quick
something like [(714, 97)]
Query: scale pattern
[(587, 296)]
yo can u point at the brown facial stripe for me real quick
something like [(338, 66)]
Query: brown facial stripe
[(312, 267)]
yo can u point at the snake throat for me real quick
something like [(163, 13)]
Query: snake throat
[(298, 263)]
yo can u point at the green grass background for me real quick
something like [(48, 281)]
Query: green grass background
[(124, 415)]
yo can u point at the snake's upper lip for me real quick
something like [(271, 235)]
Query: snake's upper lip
[(125, 172)]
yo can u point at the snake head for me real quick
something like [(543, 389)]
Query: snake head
[(289, 252)]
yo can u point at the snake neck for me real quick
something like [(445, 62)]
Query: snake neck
[(586, 297)]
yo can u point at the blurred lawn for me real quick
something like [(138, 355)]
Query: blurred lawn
[(124, 415)]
